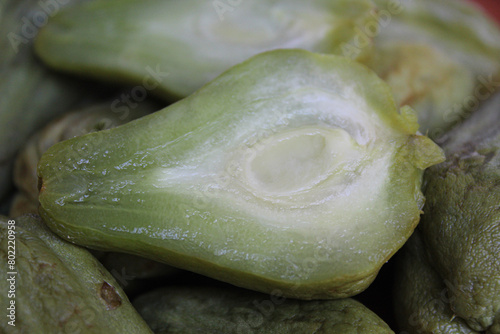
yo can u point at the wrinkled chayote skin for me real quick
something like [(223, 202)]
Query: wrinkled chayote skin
[(60, 287), (441, 57), (226, 310), (72, 124), (175, 47), (31, 95), (421, 298), (293, 170), (461, 225)]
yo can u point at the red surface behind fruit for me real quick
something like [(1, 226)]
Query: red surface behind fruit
[(492, 7)]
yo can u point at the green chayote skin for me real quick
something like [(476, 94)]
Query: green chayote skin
[(293, 170), (461, 225), (421, 300), (31, 95), (441, 57), (227, 310), (175, 47), (126, 268), (60, 287), (72, 124)]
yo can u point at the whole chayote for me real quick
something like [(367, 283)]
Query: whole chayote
[(460, 232), (59, 287)]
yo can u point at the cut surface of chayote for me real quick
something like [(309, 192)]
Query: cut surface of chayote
[(175, 47), (223, 310), (58, 287), (461, 225), (441, 57), (292, 170)]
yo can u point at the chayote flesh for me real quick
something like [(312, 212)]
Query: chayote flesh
[(175, 47), (441, 57), (71, 124), (292, 170)]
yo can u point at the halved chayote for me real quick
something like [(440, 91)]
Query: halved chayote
[(292, 170), (441, 57), (175, 47), (58, 287), (225, 310), (74, 123)]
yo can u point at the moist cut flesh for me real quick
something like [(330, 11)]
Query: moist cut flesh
[(291, 171)]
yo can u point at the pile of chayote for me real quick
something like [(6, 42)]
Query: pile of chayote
[(246, 166)]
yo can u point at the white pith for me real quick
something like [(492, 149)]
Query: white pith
[(298, 174)]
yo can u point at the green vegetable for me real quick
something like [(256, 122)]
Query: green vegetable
[(421, 297), (291, 171), (59, 287), (175, 47), (441, 57), (76, 123), (31, 95), (228, 310), (71, 124), (461, 225)]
